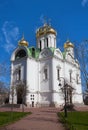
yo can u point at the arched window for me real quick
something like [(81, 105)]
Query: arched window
[(18, 74), (70, 75), (58, 73), (47, 42), (77, 78), (33, 52), (54, 42), (20, 54), (45, 73), (40, 45)]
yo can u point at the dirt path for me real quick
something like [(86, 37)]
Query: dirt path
[(40, 119)]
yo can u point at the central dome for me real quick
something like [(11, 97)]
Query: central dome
[(46, 29)]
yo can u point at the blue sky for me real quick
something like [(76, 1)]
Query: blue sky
[(68, 17)]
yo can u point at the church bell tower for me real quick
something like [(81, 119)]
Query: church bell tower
[(69, 47), (46, 37)]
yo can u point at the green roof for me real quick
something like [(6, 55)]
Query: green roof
[(64, 54), (52, 49), (37, 51), (34, 52), (28, 51)]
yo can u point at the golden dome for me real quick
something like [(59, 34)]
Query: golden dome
[(68, 44), (23, 42), (46, 29)]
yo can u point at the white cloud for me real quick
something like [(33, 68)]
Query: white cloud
[(10, 35), (84, 2), (9, 47)]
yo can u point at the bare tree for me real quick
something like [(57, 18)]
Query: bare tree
[(3, 92), (81, 52), (18, 89), (67, 87), (12, 89), (22, 91), (67, 92), (4, 71), (11, 96)]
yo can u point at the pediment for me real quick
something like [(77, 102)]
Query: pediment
[(45, 53), (58, 53), (70, 58)]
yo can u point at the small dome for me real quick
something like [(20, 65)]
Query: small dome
[(68, 44), (46, 29), (23, 42)]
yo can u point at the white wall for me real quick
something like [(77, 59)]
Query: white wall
[(32, 79), (57, 63), (45, 84)]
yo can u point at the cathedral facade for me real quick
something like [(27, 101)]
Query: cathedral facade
[(48, 73)]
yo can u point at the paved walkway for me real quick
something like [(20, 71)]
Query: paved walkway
[(40, 119)]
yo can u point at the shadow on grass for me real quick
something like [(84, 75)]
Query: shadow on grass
[(81, 124), (73, 124)]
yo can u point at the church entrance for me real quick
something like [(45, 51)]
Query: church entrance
[(19, 98), (32, 103), (19, 95)]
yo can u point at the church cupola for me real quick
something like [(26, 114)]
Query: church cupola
[(23, 42), (46, 37), (68, 44), (69, 47)]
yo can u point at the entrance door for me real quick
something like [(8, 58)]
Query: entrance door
[(32, 103), (19, 95)]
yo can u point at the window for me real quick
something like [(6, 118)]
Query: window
[(40, 45), (54, 42), (58, 74), (47, 41), (58, 71), (33, 52), (70, 74), (20, 54), (32, 97), (19, 74), (45, 73), (77, 78)]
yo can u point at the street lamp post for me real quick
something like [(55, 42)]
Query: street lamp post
[(65, 96)]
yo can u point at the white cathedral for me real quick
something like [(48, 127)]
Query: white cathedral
[(48, 73)]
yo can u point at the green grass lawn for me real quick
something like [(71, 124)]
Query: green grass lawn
[(8, 117), (77, 120)]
